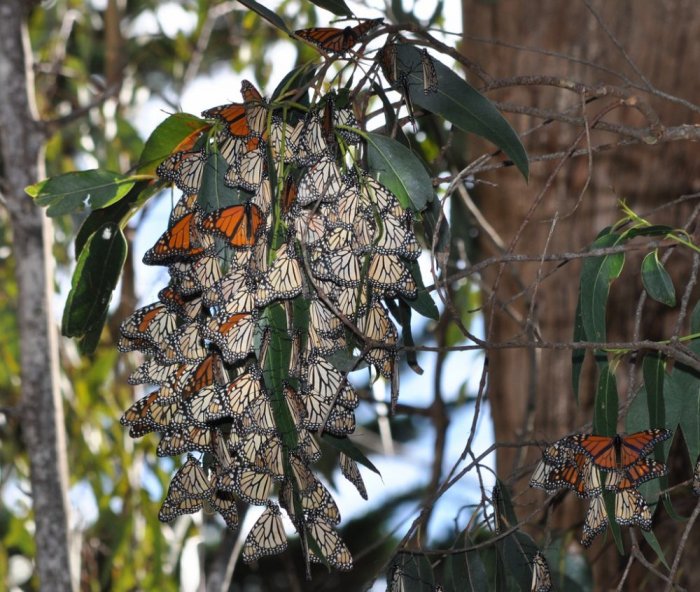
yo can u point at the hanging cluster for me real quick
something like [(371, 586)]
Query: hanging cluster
[(587, 464), (273, 298)]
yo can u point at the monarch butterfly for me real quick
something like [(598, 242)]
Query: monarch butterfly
[(233, 115), (312, 139), (308, 447), (328, 383), (225, 504), (317, 500), (596, 520), (186, 345), (540, 476), (267, 535), (252, 485), (208, 406), (631, 508), (187, 490), (152, 323), (340, 237), (263, 197), (238, 224), (352, 302), (639, 472), (322, 319), (188, 439), (696, 478), (206, 271), (187, 204), (430, 77), (289, 135), (350, 470), (152, 372), (395, 239), (341, 267), (248, 172), (233, 335), (334, 40), (255, 108), (231, 288), (185, 169), (181, 241), (619, 452), (376, 197), (340, 421), (324, 346), (329, 543), (388, 273), (345, 118), (310, 226), (180, 305), (321, 183), (580, 475), (283, 280), (387, 57), (182, 279), (196, 376), (541, 579)]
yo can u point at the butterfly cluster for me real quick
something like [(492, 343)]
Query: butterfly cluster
[(266, 294), (587, 464)]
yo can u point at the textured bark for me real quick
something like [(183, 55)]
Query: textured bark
[(41, 409), (531, 392)]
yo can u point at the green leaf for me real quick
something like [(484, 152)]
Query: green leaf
[(118, 213), (94, 279), (461, 104), (654, 230), (596, 275), (518, 549), (415, 573), (335, 6), (654, 370), (266, 13), (654, 544), (423, 303), (166, 138), (609, 498), (402, 313), (682, 398), (213, 193), (578, 356), (606, 401), (503, 507), (656, 280), (346, 446), (396, 167), (465, 572), (73, 192), (297, 79), (695, 318)]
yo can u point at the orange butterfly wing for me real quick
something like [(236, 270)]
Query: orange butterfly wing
[(239, 224), (637, 445), (233, 115)]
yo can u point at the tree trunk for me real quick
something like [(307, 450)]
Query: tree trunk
[(531, 389), (41, 411)]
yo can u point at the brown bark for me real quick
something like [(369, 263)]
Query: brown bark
[(41, 411), (531, 391)]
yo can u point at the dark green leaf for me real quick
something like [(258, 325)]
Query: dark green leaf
[(654, 544), (465, 572), (346, 446), (518, 549), (461, 104), (74, 192), (414, 572), (117, 213), (396, 167), (214, 194), (166, 138), (578, 355), (596, 275), (656, 280), (266, 13), (95, 277), (503, 507), (402, 313), (609, 498), (297, 79), (423, 304), (430, 216), (654, 370), (695, 318), (87, 344), (606, 400), (649, 231), (335, 6), (682, 398)]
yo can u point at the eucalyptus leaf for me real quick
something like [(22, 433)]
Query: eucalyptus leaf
[(266, 13), (657, 282)]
